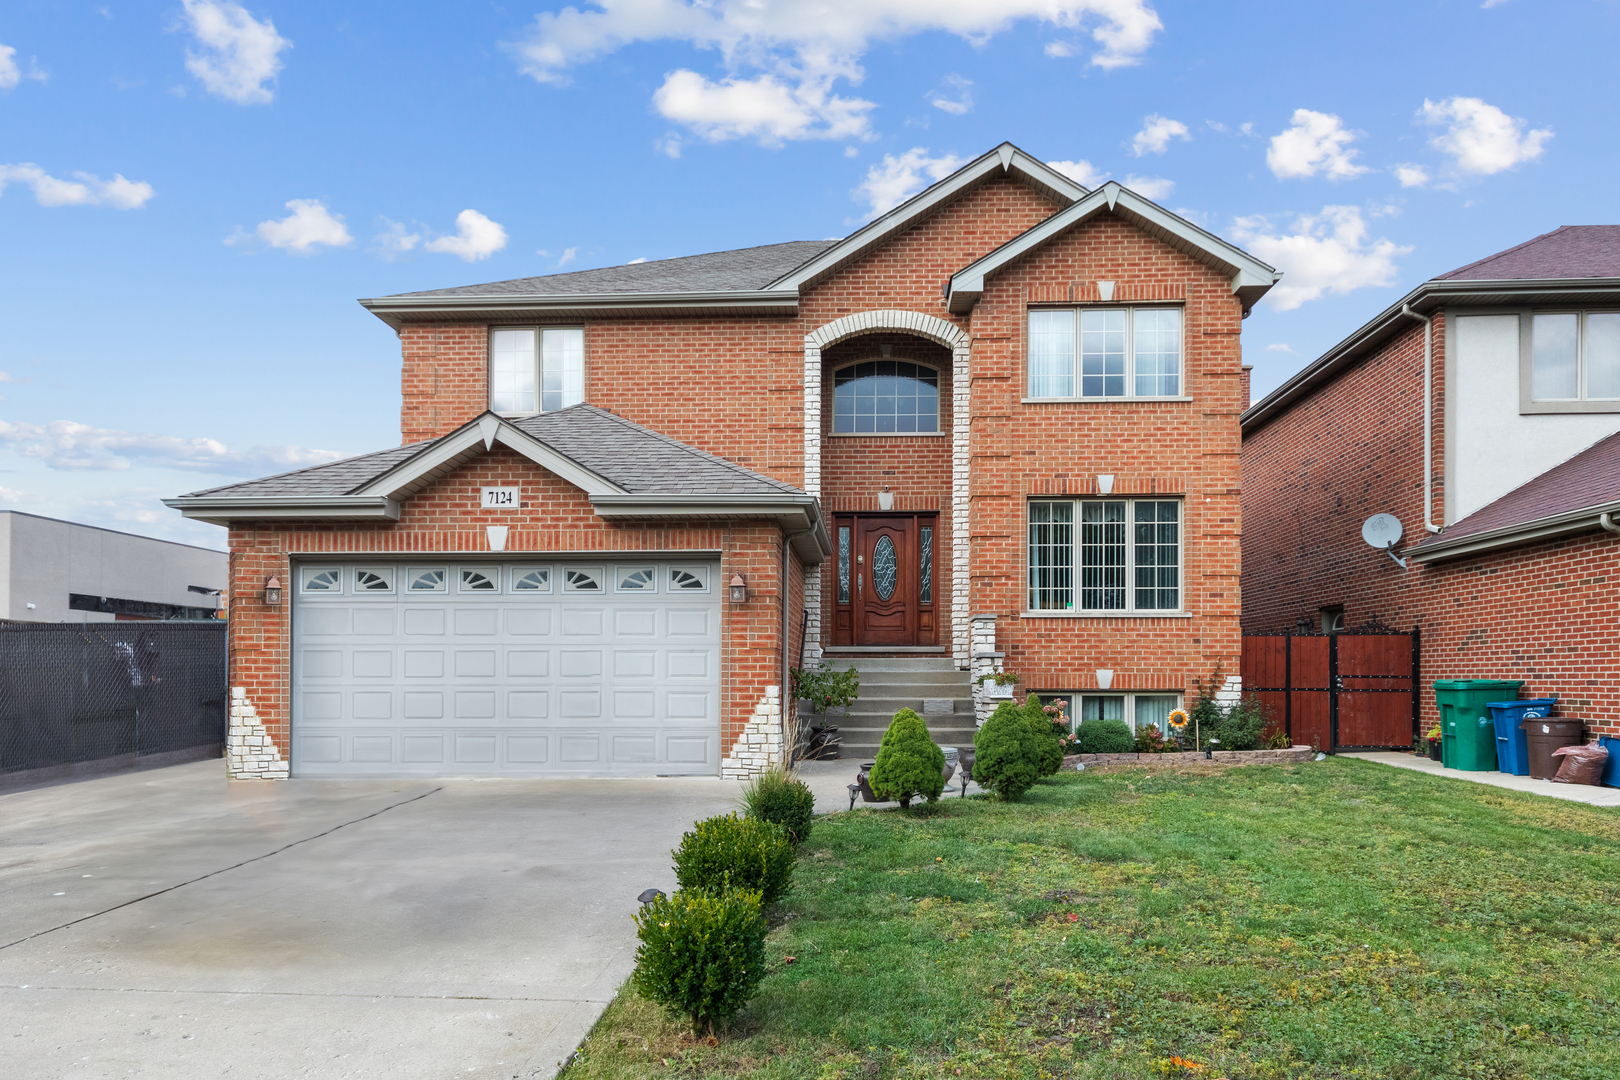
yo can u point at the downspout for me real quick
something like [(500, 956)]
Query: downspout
[(1607, 521), (1428, 416)]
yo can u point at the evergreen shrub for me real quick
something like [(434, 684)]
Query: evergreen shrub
[(731, 852), (1106, 737), (1006, 753), (908, 762), (777, 795), (702, 954), (1046, 735)]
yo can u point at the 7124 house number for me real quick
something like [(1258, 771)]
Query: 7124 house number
[(500, 498)]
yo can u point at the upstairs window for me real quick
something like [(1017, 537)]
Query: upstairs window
[(1100, 353), (1575, 356), (885, 397), (1097, 555), (536, 370)]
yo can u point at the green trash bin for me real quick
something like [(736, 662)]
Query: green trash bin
[(1467, 734)]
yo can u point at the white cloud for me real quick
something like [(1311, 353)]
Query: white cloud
[(802, 49), (1081, 172), (239, 54), (1412, 175), (765, 108), (567, 257), (310, 224), (1325, 253), (898, 177), (9, 75), (87, 190), (1151, 187), (395, 240), (955, 95), (1316, 143), (476, 238), (12, 495), (1279, 347), (639, 259), (66, 444), (1481, 138), (1156, 133)]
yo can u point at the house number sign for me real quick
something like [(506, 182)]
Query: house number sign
[(500, 498)]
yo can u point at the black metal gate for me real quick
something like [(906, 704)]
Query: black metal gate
[(1349, 690), (82, 692)]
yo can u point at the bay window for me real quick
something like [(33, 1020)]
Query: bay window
[(534, 369), (1105, 555), (1101, 353)]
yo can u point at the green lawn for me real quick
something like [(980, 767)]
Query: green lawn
[(1327, 919)]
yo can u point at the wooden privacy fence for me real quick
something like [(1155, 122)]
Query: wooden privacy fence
[(1352, 690)]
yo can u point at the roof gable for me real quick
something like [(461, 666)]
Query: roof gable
[(1251, 278)]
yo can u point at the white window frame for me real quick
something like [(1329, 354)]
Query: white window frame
[(1130, 696), (540, 333), (1528, 402), (1076, 586), (307, 572), (1130, 311)]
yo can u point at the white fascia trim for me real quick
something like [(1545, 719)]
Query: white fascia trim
[(488, 429), (224, 509), (802, 512), (1547, 528), (1005, 158), (1248, 273), (389, 308)]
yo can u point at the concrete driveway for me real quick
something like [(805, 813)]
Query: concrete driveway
[(169, 924)]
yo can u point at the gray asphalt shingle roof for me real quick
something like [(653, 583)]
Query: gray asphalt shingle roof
[(719, 271), (636, 458), (1573, 251)]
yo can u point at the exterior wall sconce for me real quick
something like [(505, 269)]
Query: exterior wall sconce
[(739, 589), (885, 499), (272, 592), (1105, 483), (1105, 678)]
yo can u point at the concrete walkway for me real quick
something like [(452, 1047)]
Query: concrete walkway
[(167, 924), (829, 781), (1592, 796)]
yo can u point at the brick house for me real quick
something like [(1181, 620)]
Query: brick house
[(1481, 410), (996, 426)]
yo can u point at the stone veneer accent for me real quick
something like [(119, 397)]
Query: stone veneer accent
[(761, 746), (250, 752), (960, 344), (986, 661)]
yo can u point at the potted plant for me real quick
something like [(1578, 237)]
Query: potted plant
[(827, 690), (998, 685), (1434, 743)]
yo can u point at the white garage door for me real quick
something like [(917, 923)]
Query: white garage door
[(533, 668)]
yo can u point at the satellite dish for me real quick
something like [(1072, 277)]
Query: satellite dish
[(1383, 531)]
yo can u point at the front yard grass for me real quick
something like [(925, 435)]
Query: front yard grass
[(1326, 919)]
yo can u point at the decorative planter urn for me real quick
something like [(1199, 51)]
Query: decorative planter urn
[(998, 691)]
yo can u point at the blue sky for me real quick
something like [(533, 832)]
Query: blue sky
[(195, 193)]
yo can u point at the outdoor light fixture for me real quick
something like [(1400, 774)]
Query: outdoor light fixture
[(648, 896), (885, 499), (272, 591), (739, 589)]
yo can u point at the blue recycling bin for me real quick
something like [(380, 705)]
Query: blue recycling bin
[(1512, 755), (1611, 768)]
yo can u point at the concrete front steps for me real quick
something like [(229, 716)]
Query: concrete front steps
[(892, 683)]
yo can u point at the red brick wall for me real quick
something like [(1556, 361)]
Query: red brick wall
[(1543, 613), (445, 379), (1168, 448), (556, 517)]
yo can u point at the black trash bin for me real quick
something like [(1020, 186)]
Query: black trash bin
[(1543, 735)]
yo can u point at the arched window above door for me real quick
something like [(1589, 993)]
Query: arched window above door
[(885, 397)]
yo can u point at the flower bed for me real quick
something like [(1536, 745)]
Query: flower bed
[(1221, 757)]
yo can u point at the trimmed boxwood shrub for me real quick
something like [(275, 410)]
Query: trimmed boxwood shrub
[(908, 762), (1006, 753), (731, 852), (1041, 726), (702, 954), (1105, 737), (777, 795)]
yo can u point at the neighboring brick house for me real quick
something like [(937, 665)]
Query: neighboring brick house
[(1511, 368), (996, 425)]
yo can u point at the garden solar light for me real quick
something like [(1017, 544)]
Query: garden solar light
[(649, 895), (272, 591)]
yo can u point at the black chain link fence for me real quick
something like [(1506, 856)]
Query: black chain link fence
[(72, 693)]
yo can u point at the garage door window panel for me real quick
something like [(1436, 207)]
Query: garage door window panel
[(636, 579), (477, 581), (689, 579), (531, 579), (374, 579), (580, 580), (322, 579), (431, 579)]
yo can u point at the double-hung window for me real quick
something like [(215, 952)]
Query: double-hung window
[(1105, 555), (1100, 353), (1575, 356), (536, 369)]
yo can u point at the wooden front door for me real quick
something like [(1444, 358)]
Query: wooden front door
[(887, 586)]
